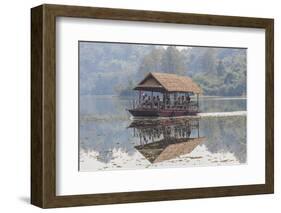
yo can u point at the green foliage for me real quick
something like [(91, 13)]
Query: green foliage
[(226, 72), (150, 62), (109, 68), (172, 61)]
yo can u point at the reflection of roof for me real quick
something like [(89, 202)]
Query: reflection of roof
[(168, 82), (163, 150)]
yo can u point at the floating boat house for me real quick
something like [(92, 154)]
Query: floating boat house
[(166, 95)]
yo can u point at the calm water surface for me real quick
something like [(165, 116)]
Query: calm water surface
[(110, 139)]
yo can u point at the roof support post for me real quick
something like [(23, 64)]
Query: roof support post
[(164, 99), (197, 101), (198, 131), (152, 102), (139, 97)]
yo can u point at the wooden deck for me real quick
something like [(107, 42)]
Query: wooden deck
[(165, 111)]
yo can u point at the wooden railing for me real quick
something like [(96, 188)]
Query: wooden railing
[(160, 105)]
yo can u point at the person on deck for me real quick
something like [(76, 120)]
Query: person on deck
[(188, 99), (178, 102), (154, 103), (149, 101), (143, 102), (157, 101), (182, 99)]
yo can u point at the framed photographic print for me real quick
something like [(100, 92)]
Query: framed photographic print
[(136, 106)]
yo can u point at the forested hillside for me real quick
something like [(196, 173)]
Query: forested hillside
[(114, 69)]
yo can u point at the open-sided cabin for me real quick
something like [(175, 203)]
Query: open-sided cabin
[(163, 94)]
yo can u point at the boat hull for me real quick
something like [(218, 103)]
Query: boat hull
[(160, 113)]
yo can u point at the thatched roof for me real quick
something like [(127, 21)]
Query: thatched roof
[(165, 82), (161, 150)]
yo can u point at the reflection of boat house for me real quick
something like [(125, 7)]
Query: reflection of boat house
[(163, 94), (166, 139)]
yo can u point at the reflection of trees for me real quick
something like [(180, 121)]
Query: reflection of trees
[(103, 106), (222, 105), (226, 135), (105, 136)]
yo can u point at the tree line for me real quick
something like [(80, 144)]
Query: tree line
[(116, 68)]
